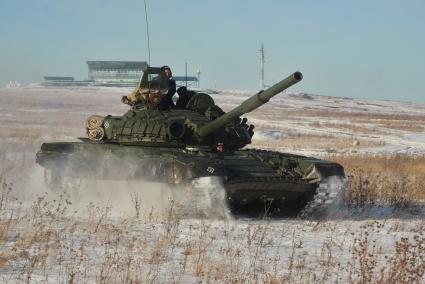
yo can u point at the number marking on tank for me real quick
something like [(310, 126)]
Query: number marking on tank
[(210, 170)]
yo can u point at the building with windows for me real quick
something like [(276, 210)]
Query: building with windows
[(116, 73)]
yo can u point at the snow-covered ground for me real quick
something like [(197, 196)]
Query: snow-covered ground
[(122, 250), (387, 124), (40, 241)]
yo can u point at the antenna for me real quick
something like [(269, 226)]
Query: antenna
[(147, 33), (262, 67)]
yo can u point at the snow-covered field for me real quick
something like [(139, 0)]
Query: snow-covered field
[(390, 127), (45, 237)]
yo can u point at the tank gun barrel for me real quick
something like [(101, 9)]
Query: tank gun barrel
[(250, 104)]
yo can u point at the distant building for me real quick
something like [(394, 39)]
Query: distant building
[(125, 73), (61, 81), (116, 73), (58, 79), (13, 84)]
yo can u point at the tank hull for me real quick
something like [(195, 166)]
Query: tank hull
[(249, 176)]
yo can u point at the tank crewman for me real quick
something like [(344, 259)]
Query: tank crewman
[(184, 97), (167, 101), (137, 95), (141, 95), (149, 96)]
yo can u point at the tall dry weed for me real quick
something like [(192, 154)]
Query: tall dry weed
[(397, 181)]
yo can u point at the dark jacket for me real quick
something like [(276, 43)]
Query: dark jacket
[(167, 101)]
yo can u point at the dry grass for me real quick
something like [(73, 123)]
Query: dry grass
[(44, 243), (405, 265), (350, 127), (355, 115), (410, 127), (327, 143), (374, 123), (384, 180), (284, 112), (352, 122)]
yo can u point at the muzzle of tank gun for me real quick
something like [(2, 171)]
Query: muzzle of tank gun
[(250, 104)]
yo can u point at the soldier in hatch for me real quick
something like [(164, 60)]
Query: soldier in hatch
[(154, 96), (184, 97), (167, 101), (136, 96)]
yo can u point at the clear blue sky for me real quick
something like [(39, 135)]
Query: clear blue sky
[(364, 49)]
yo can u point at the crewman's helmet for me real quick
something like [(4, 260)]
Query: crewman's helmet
[(167, 71)]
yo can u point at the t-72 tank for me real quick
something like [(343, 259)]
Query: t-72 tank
[(179, 145)]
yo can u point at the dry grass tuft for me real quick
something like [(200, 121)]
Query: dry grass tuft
[(397, 181)]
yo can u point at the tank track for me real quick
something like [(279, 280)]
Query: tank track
[(206, 198), (327, 196)]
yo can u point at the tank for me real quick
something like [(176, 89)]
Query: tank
[(182, 145)]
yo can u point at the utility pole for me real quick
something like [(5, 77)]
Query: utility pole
[(185, 72), (262, 86), (198, 73)]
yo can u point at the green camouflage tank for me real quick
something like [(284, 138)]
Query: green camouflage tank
[(179, 145)]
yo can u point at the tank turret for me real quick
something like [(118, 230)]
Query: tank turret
[(199, 123)]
